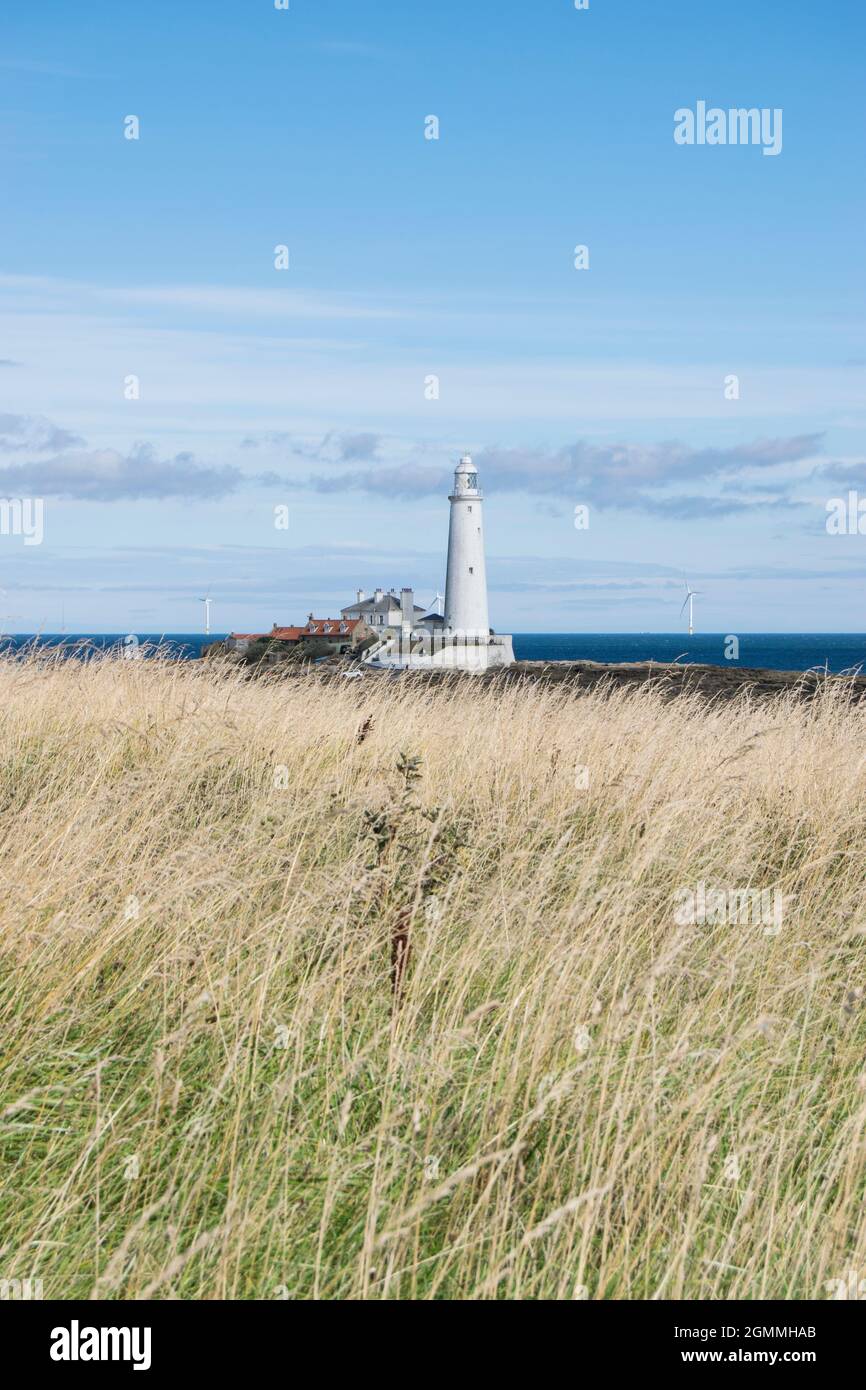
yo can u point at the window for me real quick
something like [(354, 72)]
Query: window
[(471, 479), (471, 570), (327, 627), (469, 509)]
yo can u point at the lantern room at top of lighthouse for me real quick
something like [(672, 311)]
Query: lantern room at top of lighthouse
[(466, 478)]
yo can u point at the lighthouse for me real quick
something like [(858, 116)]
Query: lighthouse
[(460, 639), (466, 578)]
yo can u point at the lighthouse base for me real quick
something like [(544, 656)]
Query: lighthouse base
[(441, 652)]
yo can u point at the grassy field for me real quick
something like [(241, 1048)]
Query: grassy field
[(377, 989)]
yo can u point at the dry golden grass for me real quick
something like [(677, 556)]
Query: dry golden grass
[(211, 1091)]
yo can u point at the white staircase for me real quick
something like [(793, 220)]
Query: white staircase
[(373, 657)]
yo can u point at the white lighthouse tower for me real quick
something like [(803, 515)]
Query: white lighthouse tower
[(466, 578), (460, 639)]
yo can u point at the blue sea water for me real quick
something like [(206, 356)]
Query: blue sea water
[(775, 651), (781, 651)]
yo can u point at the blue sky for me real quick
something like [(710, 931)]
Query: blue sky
[(410, 258)]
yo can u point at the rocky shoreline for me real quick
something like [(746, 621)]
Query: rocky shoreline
[(669, 678), (672, 678)]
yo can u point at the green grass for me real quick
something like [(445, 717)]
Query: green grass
[(212, 1088)]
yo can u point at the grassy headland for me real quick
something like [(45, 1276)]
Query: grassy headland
[(374, 989)]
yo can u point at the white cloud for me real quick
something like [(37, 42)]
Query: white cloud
[(281, 301)]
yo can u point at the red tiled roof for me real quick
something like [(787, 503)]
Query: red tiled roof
[(315, 627)]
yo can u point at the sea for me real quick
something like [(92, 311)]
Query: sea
[(779, 651)]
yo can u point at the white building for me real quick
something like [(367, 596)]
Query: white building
[(461, 640), (385, 609)]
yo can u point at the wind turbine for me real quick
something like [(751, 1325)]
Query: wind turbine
[(207, 603), (7, 617), (691, 595), (438, 600)]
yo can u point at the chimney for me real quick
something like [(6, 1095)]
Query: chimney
[(360, 595), (378, 595), (407, 606)]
